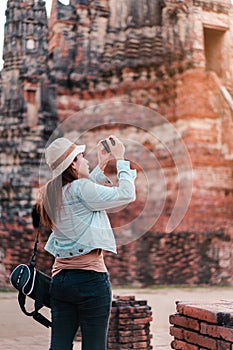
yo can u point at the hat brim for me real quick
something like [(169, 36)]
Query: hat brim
[(66, 163)]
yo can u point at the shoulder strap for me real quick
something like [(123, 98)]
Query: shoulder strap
[(35, 314), (36, 221), (33, 257), (22, 297)]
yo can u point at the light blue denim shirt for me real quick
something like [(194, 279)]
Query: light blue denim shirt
[(83, 223)]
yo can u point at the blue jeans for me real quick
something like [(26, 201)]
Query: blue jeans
[(80, 298)]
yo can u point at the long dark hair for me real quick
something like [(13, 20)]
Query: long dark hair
[(50, 196)]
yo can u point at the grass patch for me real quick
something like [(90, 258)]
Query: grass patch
[(7, 290), (171, 286)]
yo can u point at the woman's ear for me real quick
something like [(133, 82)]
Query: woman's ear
[(73, 165)]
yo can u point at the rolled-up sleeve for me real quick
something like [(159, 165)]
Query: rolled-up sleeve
[(98, 176), (98, 197)]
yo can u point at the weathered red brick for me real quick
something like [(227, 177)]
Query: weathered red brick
[(181, 345), (198, 339), (197, 312), (223, 345), (217, 331), (177, 332), (185, 322)]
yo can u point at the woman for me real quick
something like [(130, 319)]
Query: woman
[(73, 205)]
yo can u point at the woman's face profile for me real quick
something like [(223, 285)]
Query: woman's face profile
[(81, 166)]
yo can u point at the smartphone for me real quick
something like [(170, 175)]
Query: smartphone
[(106, 146)]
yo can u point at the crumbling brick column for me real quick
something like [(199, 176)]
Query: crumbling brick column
[(129, 326), (201, 326)]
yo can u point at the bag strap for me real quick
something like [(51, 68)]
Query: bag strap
[(34, 252), (36, 221), (22, 297), (35, 314)]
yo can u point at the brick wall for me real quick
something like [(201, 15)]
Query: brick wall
[(202, 326), (27, 117), (150, 56)]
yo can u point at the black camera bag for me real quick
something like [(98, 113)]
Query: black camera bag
[(32, 283)]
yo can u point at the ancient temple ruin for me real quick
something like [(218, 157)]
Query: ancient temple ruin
[(169, 58)]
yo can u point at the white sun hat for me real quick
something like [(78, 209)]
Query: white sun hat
[(60, 154)]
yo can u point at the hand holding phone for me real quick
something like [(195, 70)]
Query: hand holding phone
[(114, 146)]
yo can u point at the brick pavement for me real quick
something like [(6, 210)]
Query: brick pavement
[(18, 332)]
